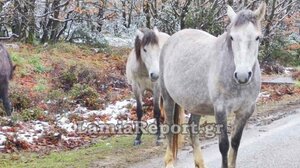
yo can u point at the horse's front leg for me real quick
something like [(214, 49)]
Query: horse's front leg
[(241, 118), (5, 99), (194, 127), (157, 114), (221, 121), (139, 112)]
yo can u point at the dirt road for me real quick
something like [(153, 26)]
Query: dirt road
[(276, 145)]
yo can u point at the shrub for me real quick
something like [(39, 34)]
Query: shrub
[(32, 114), (2, 111), (20, 98), (89, 76), (277, 51), (57, 101), (68, 78), (86, 96), (38, 67)]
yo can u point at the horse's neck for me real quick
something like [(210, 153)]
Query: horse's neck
[(163, 37), (224, 56), (224, 51)]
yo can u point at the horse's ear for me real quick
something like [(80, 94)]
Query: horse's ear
[(156, 31), (139, 34), (260, 11), (230, 13)]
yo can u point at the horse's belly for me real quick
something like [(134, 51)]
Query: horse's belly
[(195, 103), (202, 109)]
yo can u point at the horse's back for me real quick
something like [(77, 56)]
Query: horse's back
[(190, 43), (162, 38), (5, 64), (185, 64), (191, 35)]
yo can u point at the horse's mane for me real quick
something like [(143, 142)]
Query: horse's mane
[(149, 38), (245, 16)]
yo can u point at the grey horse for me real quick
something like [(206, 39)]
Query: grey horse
[(208, 75), (142, 71), (6, 73)]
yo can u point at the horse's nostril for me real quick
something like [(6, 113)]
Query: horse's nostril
[(151, 75), (249, 75), (235, 75)]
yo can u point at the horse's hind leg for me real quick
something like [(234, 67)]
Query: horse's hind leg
[(157, 114), (139, 112), (240, 121), (5, 99), (169, 107), (194, 127)]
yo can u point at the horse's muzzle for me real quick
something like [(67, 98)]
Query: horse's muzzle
[(242, 77)]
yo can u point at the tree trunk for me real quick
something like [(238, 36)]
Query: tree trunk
[(266, 42), (124, 12), (147, 13), (55, 23), (16, 26), (130, 14), (46, 25), (101, 15), (184, 12), (31, 23)]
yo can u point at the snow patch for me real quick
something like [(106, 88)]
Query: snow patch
[(118, 41), (31, 131), (2, 138)]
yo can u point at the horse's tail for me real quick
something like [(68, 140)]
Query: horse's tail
[(181, 122), (175, 145), (162, 111), (178, 139)]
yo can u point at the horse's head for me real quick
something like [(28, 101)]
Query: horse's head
[(244, 34), (147, 51)]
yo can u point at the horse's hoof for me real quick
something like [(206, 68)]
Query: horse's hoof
[(137, 142), (159, 142)]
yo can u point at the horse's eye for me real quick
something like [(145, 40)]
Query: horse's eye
[(257, 38), (145, 50), (231, 38)]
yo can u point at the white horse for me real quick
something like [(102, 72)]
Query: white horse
[(142, 71), (209, 75)]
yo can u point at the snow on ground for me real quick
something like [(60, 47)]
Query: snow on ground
[(263, 95), (2, 138), (118, 41), (31, 131)]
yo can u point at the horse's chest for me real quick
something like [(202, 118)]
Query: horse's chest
[(145, 83)]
